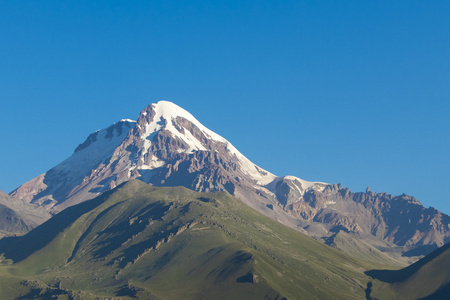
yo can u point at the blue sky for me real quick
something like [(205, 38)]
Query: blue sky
[(350, 92)]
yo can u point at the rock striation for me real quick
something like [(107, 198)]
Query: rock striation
[(167, 146)]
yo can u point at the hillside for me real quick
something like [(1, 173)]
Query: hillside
[(167, 146), (18, 216), (428, 278), (172, 243)]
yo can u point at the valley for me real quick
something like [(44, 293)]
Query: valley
[(164, 208)]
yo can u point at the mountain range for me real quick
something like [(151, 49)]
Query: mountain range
[(167, 146), (166, 168), (173, 243), (147, 242)]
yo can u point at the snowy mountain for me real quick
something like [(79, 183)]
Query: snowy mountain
[(74, 180), (167, 146)]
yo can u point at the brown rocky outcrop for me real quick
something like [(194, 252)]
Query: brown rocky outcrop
[(401, 220), (167, 146)]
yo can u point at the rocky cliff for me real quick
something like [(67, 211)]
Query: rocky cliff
[(167, 146)]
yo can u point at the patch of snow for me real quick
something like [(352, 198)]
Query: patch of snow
[(188, 138), (329, 203), (147, 144), (298, 188), (166, 111), (261, 176), (306, 184), (82, 162), (171, 111), (154, 163)]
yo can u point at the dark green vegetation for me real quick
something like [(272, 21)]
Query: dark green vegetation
[(173, 243), (429, 278)]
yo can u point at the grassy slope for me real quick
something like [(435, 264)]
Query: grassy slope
[(429, 278), (366, 249), (167, 243)]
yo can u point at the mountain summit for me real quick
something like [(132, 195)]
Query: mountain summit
[(167, 146)]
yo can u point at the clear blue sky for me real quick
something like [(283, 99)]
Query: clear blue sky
[(351, 92)]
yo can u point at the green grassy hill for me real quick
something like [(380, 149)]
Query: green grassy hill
[(429, 278), (140, 241)]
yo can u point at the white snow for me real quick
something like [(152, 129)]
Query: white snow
[(298, 188), (329, 203), (154, 163), (165, 110), (306, 185), (168, 111), (84, 161)]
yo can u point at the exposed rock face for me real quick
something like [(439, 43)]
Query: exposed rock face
[(18, 216), (401, 220), (168, 146), (165, 146), (77, 177)]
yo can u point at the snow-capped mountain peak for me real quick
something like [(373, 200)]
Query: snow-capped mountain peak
[(101, 137), (191, 135), (165, 115), (166, 145)]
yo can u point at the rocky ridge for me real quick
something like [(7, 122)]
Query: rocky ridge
[(167, 146), (18, 216)]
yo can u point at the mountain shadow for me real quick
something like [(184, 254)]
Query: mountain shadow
[(151, 242), (393, 276), (12, 247), (428, 278)]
